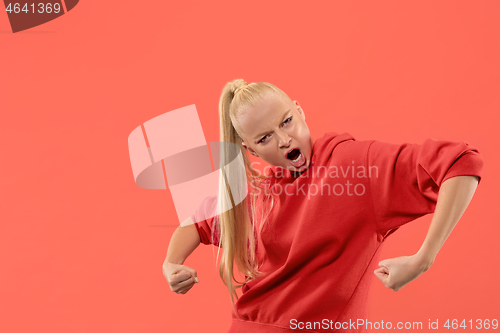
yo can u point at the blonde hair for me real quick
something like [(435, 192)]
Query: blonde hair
[(237, 234)]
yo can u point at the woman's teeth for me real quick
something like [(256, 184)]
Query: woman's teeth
[(297, 159)]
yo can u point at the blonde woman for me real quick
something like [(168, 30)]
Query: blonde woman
[(307, 235)]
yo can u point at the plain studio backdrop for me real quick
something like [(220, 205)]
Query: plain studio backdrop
[(82, 245)]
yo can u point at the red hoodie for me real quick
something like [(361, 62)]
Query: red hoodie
[(321, 248)]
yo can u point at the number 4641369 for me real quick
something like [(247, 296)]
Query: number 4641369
[(479, 324), (32, 8)]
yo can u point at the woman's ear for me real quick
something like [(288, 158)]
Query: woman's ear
[(299, 109), (250, 150)]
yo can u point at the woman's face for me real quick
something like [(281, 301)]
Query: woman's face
[(275, 130)]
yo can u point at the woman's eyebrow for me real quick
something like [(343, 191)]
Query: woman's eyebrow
[(282, 118)]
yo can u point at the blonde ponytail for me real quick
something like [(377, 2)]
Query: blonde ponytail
[(237, 234)]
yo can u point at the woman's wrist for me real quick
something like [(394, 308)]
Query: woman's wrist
[(168, 262), (425, 259)]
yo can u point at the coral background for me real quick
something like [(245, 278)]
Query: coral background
[(82, 245)]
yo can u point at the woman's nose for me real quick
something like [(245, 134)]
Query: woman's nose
[(285, 140)]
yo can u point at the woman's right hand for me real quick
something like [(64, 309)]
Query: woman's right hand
[(180, 278)]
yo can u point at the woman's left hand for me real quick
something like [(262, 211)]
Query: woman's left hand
[(397, 272)]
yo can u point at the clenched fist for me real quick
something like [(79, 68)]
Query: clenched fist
[(397, 272), (180, 278)]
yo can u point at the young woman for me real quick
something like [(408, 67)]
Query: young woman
[(307, 236)]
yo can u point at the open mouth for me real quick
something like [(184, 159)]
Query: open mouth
[(293, 155), (296, 157)]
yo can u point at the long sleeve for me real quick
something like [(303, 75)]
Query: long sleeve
[(405, 178)]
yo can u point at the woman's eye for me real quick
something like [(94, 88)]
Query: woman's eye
[(264, 139)]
